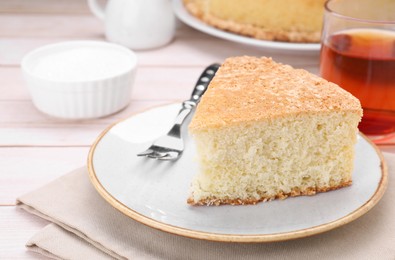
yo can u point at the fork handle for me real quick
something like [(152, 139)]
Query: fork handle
[(200, 87), (203, 82)]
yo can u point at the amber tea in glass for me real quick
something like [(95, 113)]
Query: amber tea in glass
[(358, 54)]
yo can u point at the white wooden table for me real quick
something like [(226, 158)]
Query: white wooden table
[(35, 148)]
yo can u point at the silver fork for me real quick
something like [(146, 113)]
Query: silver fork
[(171, 145)]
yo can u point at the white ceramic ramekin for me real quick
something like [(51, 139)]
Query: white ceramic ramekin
[(79, 99)]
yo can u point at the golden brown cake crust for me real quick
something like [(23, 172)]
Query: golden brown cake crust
[(196, 8), (250, 89), (281, 195)]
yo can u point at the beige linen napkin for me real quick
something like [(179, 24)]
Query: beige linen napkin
[(86, 227)]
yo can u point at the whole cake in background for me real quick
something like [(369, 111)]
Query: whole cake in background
[(264, 130), (277, 20)]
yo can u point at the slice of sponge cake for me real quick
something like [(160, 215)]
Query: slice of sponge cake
[(264, 130)]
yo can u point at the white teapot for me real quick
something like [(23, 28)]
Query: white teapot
[(137, 24)]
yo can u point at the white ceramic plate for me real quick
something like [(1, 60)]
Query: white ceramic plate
[(192, 21), (155, 192)]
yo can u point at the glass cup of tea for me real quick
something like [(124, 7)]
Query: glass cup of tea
[(358, 54)]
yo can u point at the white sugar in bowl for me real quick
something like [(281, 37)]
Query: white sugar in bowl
[(80, 79)]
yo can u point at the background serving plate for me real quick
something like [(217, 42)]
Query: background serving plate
[(155, 192), (192, 21)]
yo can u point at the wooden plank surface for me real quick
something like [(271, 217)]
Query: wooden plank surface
[(24, 114), (42, 26), (17, 227), (27, 168), (71, 7)]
